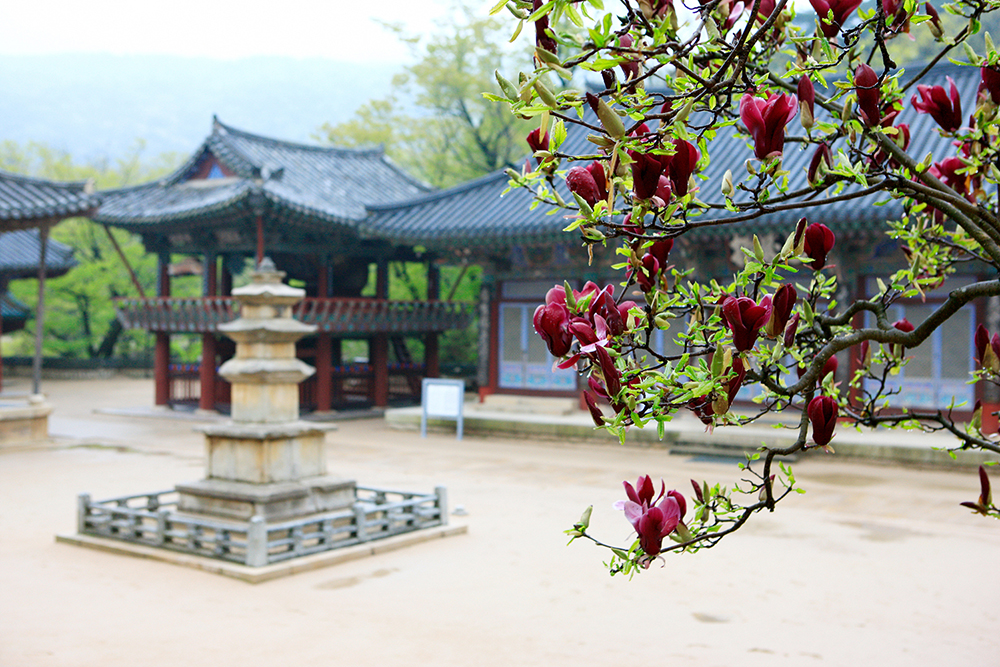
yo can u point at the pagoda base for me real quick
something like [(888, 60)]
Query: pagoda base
[(277, 501), (258, 453)]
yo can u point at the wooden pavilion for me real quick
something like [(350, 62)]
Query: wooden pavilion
[(29, 208), (243, 196)]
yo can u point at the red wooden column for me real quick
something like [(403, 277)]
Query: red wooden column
[(337, 359), (378, 355), (161, 359), (324, 350), (432, 361), (207, 371)]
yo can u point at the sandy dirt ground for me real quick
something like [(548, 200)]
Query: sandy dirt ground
[(874, 565)]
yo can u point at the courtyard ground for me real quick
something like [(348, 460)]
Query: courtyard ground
[(875, 565)]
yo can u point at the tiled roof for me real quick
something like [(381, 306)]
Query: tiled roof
[(317, 184), (14, 313), (474, 214), (24, 201), (19, 255)]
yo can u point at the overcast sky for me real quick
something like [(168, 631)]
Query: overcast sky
[(337, 29)]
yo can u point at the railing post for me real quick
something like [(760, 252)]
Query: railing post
[(82, 510), (360, 531), (442, 503), (161, 526), (257, 542)]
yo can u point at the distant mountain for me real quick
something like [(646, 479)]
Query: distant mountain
[(97, 106)]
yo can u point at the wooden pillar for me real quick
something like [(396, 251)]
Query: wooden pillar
[(378, 357), (260, 238), (207, 372), (161, 368), (225, 280), (163, 274), (161, 359), (336, 359), (432, 362), (323, 346), (207, 368), (36, 375), (323, 372), (378, 346)]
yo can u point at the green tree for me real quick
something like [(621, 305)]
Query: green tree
[(435, 122), (80, 317)]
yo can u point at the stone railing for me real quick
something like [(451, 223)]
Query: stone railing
[(150, 519), (335, 316)]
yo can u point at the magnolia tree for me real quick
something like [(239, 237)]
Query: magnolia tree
[(671, 79)]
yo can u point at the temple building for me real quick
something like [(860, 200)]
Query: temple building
[(242, 196)]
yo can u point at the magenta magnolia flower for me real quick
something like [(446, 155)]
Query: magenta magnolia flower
[(551, 322), (781, 309), (822, 160), (985, 501), (596, 170), (807, 102), (937, 29), (765, 9), (868, 93), (766, 121), (663, 191), (542, 38), (536, 142), (646, 170), (595, 412), (681, 165), (944, 108), (905, 326), (842, 10), (653, 519), (790, 329), (745, 317), (819, 242), (947, 170), (630, 68), (822, 413), (652, 262), (987, 349), (605, 306), (990, 83), (581, 181)]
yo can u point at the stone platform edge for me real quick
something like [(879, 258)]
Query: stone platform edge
[(686, 442), (256, 575)]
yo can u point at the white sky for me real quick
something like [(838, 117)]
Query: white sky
[(338, 29)]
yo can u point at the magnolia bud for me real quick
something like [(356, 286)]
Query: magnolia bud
[(611, 121), (728, 189), (546, 95)]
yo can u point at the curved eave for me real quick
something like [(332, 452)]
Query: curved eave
[(129, 208)]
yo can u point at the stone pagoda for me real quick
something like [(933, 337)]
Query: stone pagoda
[(265, 462), (266, 499)]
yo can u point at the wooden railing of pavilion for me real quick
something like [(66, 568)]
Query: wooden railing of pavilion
[(336, 316)]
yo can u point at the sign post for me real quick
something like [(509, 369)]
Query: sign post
[(442, 399)]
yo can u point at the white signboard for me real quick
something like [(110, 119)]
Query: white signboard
[(442, 399)]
